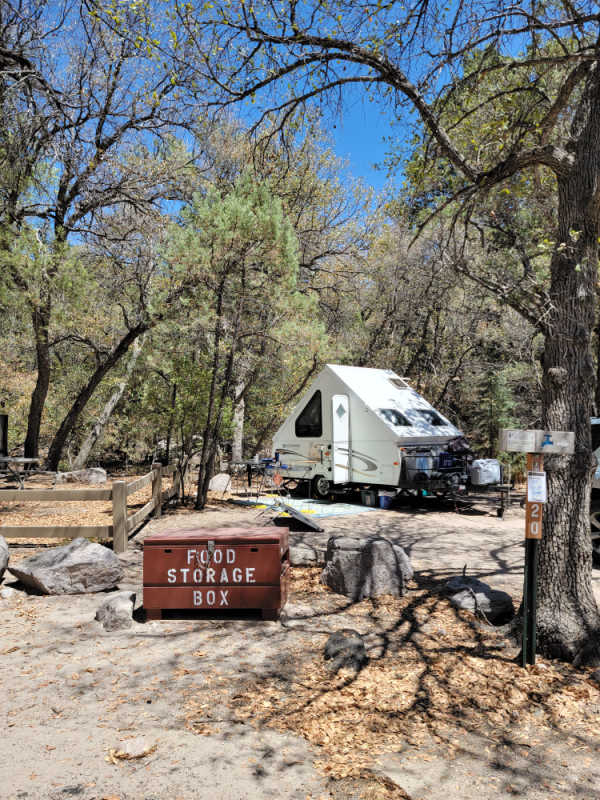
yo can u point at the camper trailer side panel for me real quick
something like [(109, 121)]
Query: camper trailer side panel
[(308, 456)]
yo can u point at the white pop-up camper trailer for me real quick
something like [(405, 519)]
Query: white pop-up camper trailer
[(367, 427)]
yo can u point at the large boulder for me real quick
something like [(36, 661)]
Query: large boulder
[(365, 567), (3, 556), (221, 482), (93, 475), (75, 568), (116, 612), (346, 648), (471, 594)]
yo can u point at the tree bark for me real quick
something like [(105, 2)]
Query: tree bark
[(205, 466), (41, 320), (568, 619), (171, 423), (237, 443), (106, 413), (597, 391), (70, 420)]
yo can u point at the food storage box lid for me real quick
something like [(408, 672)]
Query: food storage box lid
[(218, 535)]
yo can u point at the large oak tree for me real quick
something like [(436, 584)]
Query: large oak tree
[(534, 69)]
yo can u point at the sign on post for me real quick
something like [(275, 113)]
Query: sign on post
[(536, 444), (536, 496), (536, 487), (557, 442)]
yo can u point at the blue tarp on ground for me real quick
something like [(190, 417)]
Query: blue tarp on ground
[(314, 508)]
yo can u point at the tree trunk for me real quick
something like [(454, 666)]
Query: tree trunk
[(597, 392), (204, 466), (70, 420), (171, 423), (237, 444), (210, 439), (106, 413), (41, 321), (568, 619)]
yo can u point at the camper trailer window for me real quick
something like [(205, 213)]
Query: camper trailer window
[(429, 415), (310, 421), (394, 417)]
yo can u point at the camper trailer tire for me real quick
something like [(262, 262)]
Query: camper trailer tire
[(320, 487)]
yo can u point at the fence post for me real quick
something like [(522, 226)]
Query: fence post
[(119, 501), (157, 489)]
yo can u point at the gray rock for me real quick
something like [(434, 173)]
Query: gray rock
[(346, 648), (297, 612), (3, 556), (116, 613), (368, 567), (220, 482), (134, 748), (474, 595), (7, 593), (89, 475), (74, 568), (307, 555)]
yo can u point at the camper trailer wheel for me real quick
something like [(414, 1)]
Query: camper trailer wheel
[(320, 487)]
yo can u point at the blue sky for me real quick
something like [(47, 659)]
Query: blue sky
[(358, 138)]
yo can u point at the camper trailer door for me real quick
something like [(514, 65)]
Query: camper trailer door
[(341, 455)]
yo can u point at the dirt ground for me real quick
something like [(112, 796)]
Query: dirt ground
[(240, 708)]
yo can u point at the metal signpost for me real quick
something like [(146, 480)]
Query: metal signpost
[(535, 444)]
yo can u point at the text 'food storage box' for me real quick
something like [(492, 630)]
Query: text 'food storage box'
[(216, 570)]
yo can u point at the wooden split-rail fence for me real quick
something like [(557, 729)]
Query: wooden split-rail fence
[(122, 523)]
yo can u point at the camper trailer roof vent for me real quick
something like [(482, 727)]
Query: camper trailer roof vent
[(400, 383)]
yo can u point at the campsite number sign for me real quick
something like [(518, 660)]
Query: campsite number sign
[(533, 521)]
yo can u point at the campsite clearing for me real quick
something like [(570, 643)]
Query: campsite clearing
[(240, 708)]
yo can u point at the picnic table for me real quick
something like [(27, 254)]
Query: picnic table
[(9, 465)]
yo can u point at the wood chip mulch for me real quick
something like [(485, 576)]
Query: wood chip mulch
[(434, 674)]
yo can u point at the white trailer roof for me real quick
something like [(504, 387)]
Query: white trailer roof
[(399, 406)]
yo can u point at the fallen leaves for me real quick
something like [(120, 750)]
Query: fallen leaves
[(417, 690)]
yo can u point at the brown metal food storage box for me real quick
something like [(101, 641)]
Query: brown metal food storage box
[(216, 570)]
